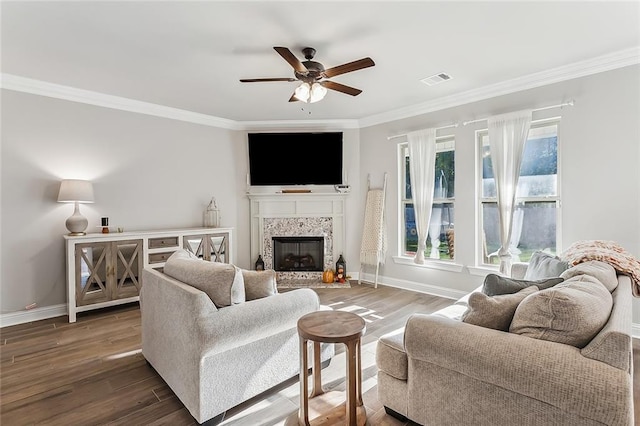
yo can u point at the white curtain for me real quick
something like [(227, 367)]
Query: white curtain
[(507, 137), (422, 160), (435, 223)]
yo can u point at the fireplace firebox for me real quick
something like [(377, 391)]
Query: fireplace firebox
[(298, 253)]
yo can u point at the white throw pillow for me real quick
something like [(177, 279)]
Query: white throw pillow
[(543, 265)]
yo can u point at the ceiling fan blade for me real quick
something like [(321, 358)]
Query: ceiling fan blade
[(351, 66), (291, 58), (341, 88), (256, 80), (293, 98)]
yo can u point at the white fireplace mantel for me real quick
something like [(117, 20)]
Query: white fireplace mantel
[(302, 214)]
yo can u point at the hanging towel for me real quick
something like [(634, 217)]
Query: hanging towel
[(374, 235)]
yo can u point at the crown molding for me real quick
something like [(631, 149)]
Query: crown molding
[(58, 91), (302, 124), (596, 65)]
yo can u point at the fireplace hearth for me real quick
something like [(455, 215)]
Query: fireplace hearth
[(319, 215)]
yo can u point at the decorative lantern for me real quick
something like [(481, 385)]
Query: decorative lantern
[(212, 215), (341, 270), (259, 263)]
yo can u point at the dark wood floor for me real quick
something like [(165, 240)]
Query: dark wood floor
[(92, 373)]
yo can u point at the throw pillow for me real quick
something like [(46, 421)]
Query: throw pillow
[(496, 284), (222, 282), (543, 265), (494, 312), (602, 271), (259, 284), (572, 312)]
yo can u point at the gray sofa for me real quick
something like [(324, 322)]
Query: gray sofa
[(439, 370), (215, 357)]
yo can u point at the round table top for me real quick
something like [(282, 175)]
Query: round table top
[(331, 326)]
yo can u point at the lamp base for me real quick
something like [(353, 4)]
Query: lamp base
[(76, 223), (75, 234)]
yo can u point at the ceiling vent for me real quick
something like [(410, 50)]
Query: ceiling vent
[(436, 79)]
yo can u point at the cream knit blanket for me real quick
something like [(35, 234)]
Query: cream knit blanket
[(374, 236), (605, 251)]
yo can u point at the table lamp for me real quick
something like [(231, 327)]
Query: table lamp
[(76, 191)]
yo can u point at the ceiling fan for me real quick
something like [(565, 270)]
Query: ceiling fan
[(314, 76)]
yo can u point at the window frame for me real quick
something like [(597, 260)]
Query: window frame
[(480, 200), (449, 142)]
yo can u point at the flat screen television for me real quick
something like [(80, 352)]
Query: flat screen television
[(295, 158)]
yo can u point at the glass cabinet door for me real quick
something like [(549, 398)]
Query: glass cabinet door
[(195, 245), (211, 247), (128, 267), (91, 273), (218, 247), (107, 271)]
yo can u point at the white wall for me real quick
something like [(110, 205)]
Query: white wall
[(148, 173), (600, 149)]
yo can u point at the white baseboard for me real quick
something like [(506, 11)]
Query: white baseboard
[(22, 317), (435, 290)]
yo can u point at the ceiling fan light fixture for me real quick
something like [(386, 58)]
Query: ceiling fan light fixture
[(302, 92), (313, 76)]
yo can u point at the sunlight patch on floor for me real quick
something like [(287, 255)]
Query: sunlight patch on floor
[(122, 355)]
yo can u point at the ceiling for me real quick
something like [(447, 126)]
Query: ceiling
[(191, 55)]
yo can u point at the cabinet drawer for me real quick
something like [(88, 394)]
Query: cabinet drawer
[(159, 257), (163, 242)]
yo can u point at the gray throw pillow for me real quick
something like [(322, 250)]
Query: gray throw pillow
[(543, 265), (571, 313), (259, 284), (222, 282), (494, 312), (495, 284)]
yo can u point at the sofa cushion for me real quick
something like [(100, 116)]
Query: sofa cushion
[(602, 271), (572, 312), (495, 312), (222, 282), (259, 284), (496, 284), (543, 265)]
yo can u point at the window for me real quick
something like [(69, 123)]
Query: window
[(535, 219), (440, 240)]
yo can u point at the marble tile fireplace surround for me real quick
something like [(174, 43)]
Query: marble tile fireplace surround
[(297, 215)]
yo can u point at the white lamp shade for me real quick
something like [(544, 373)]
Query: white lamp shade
[(75, 190), (302, 92), (318, 91)]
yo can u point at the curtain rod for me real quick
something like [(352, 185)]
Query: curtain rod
[(570, 103), (437, 128)]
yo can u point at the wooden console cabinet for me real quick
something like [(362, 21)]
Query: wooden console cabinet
[(106, 269)]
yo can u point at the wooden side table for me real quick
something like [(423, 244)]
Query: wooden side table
[(332, 327)]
